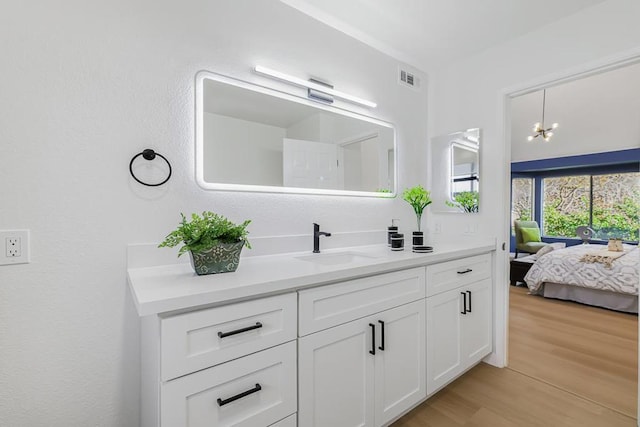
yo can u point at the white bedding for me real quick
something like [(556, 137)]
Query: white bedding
[(564, 266)]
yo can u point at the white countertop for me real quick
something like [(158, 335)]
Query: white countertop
[(173, 287)]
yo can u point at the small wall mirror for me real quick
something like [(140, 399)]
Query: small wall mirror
[(456, 172), (252, 138)]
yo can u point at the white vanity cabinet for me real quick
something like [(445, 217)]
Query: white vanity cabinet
[(291, 343), (362, 371), (459, 318)]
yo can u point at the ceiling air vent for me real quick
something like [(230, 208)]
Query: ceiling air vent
[(407, 78)]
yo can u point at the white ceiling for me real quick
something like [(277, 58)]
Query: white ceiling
[(427, 33), (596, 114)]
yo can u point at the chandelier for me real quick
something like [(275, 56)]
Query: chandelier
[(538, 128)]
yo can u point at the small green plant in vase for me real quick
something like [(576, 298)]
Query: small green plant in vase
[(419, 199), (213, 242)]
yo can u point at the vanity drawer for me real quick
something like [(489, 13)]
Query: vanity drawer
[(458, 272), (327, 306), (254, 391), (204, 338)]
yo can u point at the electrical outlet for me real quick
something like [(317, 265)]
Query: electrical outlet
[(16, 247), (438, 228)]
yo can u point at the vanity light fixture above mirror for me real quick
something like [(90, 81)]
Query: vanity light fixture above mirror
[(312, 85)]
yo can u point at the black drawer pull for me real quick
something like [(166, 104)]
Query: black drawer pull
[(222, 402), (373, 339), (469, 293), (464, 302), (381, 347), (241, 330), (468, 270)]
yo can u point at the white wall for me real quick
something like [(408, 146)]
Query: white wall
[(229, 142), (371, 176), (310, 129), (85, 86)]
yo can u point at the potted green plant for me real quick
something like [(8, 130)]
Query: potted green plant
[(466, 201), (213, 242), (419, 199)]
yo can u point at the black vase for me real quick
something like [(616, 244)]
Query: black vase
[(418, 238)]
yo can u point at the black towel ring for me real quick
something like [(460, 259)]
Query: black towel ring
[(149, 154)]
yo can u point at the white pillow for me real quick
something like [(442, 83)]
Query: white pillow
[(544, 250), (550, 247)]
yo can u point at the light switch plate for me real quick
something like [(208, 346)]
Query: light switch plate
[(14, 247)]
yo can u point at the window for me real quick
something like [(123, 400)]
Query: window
[(565, 205), (521, 200), (615, 205), (607, 203)]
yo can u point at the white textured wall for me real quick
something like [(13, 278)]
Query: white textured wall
[(84, 86)]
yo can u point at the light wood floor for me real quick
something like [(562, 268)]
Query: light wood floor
[(570, 365), (588, 351)]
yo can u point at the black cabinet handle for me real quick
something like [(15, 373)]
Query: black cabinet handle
[(468, 270), (469, 293), (464, 303), (222, 402), (241, 330), (373, 339), (381, 335)]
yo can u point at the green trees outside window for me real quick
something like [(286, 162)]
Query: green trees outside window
[(521, 200), (610, 204)]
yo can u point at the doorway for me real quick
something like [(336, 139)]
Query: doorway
[(508, 96)]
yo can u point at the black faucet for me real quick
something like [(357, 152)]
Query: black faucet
[(316, 237)]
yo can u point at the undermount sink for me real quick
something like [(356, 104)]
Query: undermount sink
[(336, 258)]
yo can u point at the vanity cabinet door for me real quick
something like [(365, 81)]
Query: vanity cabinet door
[(336, 376), (444, 338), (365, 372), (400, 381), (459, 332), (477, 333)]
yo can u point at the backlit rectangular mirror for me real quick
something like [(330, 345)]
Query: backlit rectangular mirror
[(456, 171), (253, 138)]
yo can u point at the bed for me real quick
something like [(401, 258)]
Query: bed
[(562, 274)]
